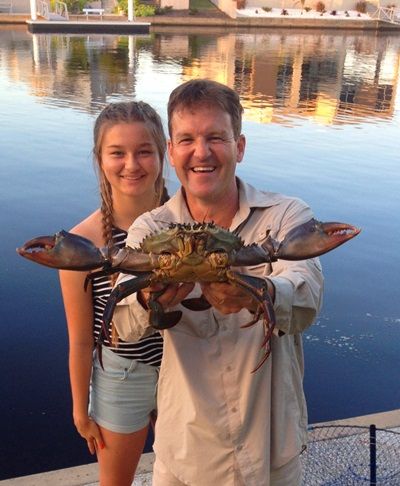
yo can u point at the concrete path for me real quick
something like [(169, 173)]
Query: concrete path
[(87, 475)]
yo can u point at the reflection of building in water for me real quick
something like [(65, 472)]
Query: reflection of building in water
[(319, 76), (379, 94), (170, 46), (323, 77), (212, 57), (77, 71), (329, 78)]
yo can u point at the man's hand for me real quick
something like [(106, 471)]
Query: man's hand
[(229, 299), (172, 294), (225, 297)]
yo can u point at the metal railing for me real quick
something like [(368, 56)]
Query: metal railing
[(60, 10), (387, 14), (43, 9)]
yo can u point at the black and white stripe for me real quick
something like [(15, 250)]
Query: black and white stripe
[(148, 350)]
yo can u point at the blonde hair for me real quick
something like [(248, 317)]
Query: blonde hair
[(126, 112)]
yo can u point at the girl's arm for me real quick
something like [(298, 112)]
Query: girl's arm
[(78, 306)]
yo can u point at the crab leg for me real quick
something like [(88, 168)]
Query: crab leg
[(64, 250), (305, 241), (121, 291), (312, 239), (157, 317), (256, 287), (196, 303)]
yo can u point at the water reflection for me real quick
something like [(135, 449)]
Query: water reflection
[(329, 78), (332, 79)]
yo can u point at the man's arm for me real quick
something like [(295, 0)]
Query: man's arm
[(130, 317)]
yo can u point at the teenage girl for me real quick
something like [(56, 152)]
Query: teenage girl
[(112, 406)]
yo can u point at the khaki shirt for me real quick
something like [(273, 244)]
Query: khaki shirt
[(213, 413)]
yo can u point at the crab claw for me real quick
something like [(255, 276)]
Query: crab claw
[(312, 239), (64, 251)]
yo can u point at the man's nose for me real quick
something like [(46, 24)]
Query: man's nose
[(201, 148)]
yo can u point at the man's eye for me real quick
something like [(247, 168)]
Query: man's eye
[(184, 141), (216, 139)]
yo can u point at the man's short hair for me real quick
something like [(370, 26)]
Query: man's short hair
[(205, 92)]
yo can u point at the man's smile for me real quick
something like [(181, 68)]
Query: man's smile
[(203, 169)]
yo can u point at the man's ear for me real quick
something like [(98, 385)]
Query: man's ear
[(241, 145), (170, 149)]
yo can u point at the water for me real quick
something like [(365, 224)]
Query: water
[(322, 123)]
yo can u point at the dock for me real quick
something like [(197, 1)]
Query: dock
[(87, 475), (87, 27), (117, 24)]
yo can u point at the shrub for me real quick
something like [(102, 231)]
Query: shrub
[(74, 6), (361, 6), (307, 9), (284, 12), (333, 12), (193, 11), (320, 7), (140, 9), (144, 10), (267, 9)]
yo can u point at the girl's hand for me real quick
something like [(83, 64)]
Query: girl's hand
[(90, 431)]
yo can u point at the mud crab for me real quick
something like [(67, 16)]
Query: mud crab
[(200, 252)]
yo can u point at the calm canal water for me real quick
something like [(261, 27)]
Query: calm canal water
[(322, 122)]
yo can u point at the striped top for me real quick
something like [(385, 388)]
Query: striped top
[(148, 350)]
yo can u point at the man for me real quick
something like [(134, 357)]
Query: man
[(218, 423)]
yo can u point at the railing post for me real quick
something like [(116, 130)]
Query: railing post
[(33, 9), (372, 454)]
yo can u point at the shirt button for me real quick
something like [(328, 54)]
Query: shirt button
[(234, 409)]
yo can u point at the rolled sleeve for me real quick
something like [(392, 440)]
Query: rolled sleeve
[(298, 296), (130, 319)]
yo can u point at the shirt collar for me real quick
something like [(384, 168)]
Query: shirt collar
[(249, 197)]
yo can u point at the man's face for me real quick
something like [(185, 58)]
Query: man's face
[(204, 153)]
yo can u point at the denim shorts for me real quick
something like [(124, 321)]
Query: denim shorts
[(123, 395)]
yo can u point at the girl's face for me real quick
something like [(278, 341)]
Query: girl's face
[(130, 160)]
